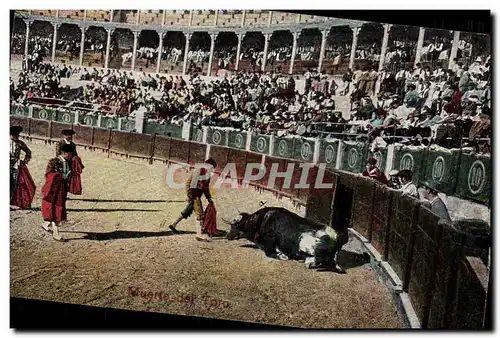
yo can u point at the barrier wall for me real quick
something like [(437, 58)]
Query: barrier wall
[(447, 288), (427, 254), (461, 174)]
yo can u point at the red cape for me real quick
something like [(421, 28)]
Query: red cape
[(25, 192), (210, 221), (54, 198), (75, 179)]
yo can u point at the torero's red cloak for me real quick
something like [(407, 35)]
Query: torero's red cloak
[(75, 178), (25, 191), (54, 198)]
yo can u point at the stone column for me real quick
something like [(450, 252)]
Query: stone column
[(243, 18), (266, 46), (186, 51), (420, 44), (211, 56), (108, 44), (454, 48), (160, 48), (294, 51), (27, 41), (322, 49), (111, 15), (355, 33), (134, 50), (238, 51), (385, 41), (54, 42), (82, 44)]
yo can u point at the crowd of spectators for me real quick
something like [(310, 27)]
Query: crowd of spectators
[(426, 104)]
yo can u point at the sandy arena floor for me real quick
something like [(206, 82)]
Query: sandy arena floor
[(117, 256)]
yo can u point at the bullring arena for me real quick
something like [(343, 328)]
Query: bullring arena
[(115, 243)]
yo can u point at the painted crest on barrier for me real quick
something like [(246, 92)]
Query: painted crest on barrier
[(88, 120), (43, 114), (20, 111), (406, 162), (329, 154), (438, 169), (352, 158), (305, 150), (216, 137), (261, 144), (130, 125), (111, 124), (282, 148), (66, 118), (199, 136), (238, 140), (477, 177)]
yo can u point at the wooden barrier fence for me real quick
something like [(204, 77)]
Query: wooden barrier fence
[(447, 288)]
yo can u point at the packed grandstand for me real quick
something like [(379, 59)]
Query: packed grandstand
[(268, 72)]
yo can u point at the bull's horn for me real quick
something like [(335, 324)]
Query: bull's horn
[(226, 221)]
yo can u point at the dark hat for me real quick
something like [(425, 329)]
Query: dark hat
[(433, 185), (68, 132), (371, 161), (16, 130), (406, 173), (67, 148)]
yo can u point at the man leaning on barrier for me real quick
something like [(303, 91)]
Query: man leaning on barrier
[(430, 195)]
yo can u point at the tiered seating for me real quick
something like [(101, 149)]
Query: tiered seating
[(203, 18), (177, 18), (131, 16), (49, 12), (23, 11), (256, 18), (229, 18), (93, 15), (72, 14), (311, 18), (151, 17), (280, 18)]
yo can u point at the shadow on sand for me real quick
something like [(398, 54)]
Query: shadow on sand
[(123, 234), (102, 210), (123, 201), (345, 259)]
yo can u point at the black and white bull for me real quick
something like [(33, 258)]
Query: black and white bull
[(285, 235)]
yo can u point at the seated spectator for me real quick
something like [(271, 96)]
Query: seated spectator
[(412, 98), (373, 172), (407, 186), (434, 202)]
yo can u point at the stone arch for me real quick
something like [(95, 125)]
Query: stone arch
[(68, 44), (337, 50), (472, 47), (438, 57), (40, 39), (121, 47), (148, 42), (308, 49), (18, 39), (226, 44), (279, 52), (199, 44), (252, 47), (172, 56), (94, 51), (369, 45), (401, 48)]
